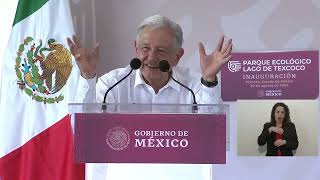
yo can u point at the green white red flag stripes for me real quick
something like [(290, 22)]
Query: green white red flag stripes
[(39, 78)]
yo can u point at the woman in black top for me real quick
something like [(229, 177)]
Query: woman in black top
[(279, 134)]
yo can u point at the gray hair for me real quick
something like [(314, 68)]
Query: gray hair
[(162, 21)]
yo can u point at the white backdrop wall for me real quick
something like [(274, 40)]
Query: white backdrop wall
[(262, 25)]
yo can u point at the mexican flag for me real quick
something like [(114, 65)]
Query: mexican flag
[(39, 78)]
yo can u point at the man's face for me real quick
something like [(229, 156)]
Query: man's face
[(154, 45)]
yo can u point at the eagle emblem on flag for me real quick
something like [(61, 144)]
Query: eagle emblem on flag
[(42, 70)]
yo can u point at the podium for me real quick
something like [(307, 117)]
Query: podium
[(151, 141)]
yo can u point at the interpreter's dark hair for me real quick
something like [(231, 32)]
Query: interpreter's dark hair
[(286, 113)]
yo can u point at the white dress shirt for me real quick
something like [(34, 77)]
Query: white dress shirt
[(135, 90)]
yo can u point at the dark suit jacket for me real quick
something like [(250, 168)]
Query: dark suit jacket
[(289, 134)]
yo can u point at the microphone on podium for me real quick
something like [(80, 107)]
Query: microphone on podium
[(164, 66), (135, 64)]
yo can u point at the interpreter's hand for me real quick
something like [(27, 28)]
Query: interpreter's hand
[(212, 63), (280, 142), (271, 129), (86, 58), (276, 130)]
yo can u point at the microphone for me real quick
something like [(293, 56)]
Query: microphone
[(164, 66), (135, 64)]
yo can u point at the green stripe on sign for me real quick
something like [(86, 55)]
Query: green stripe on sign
[(26, 8)]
